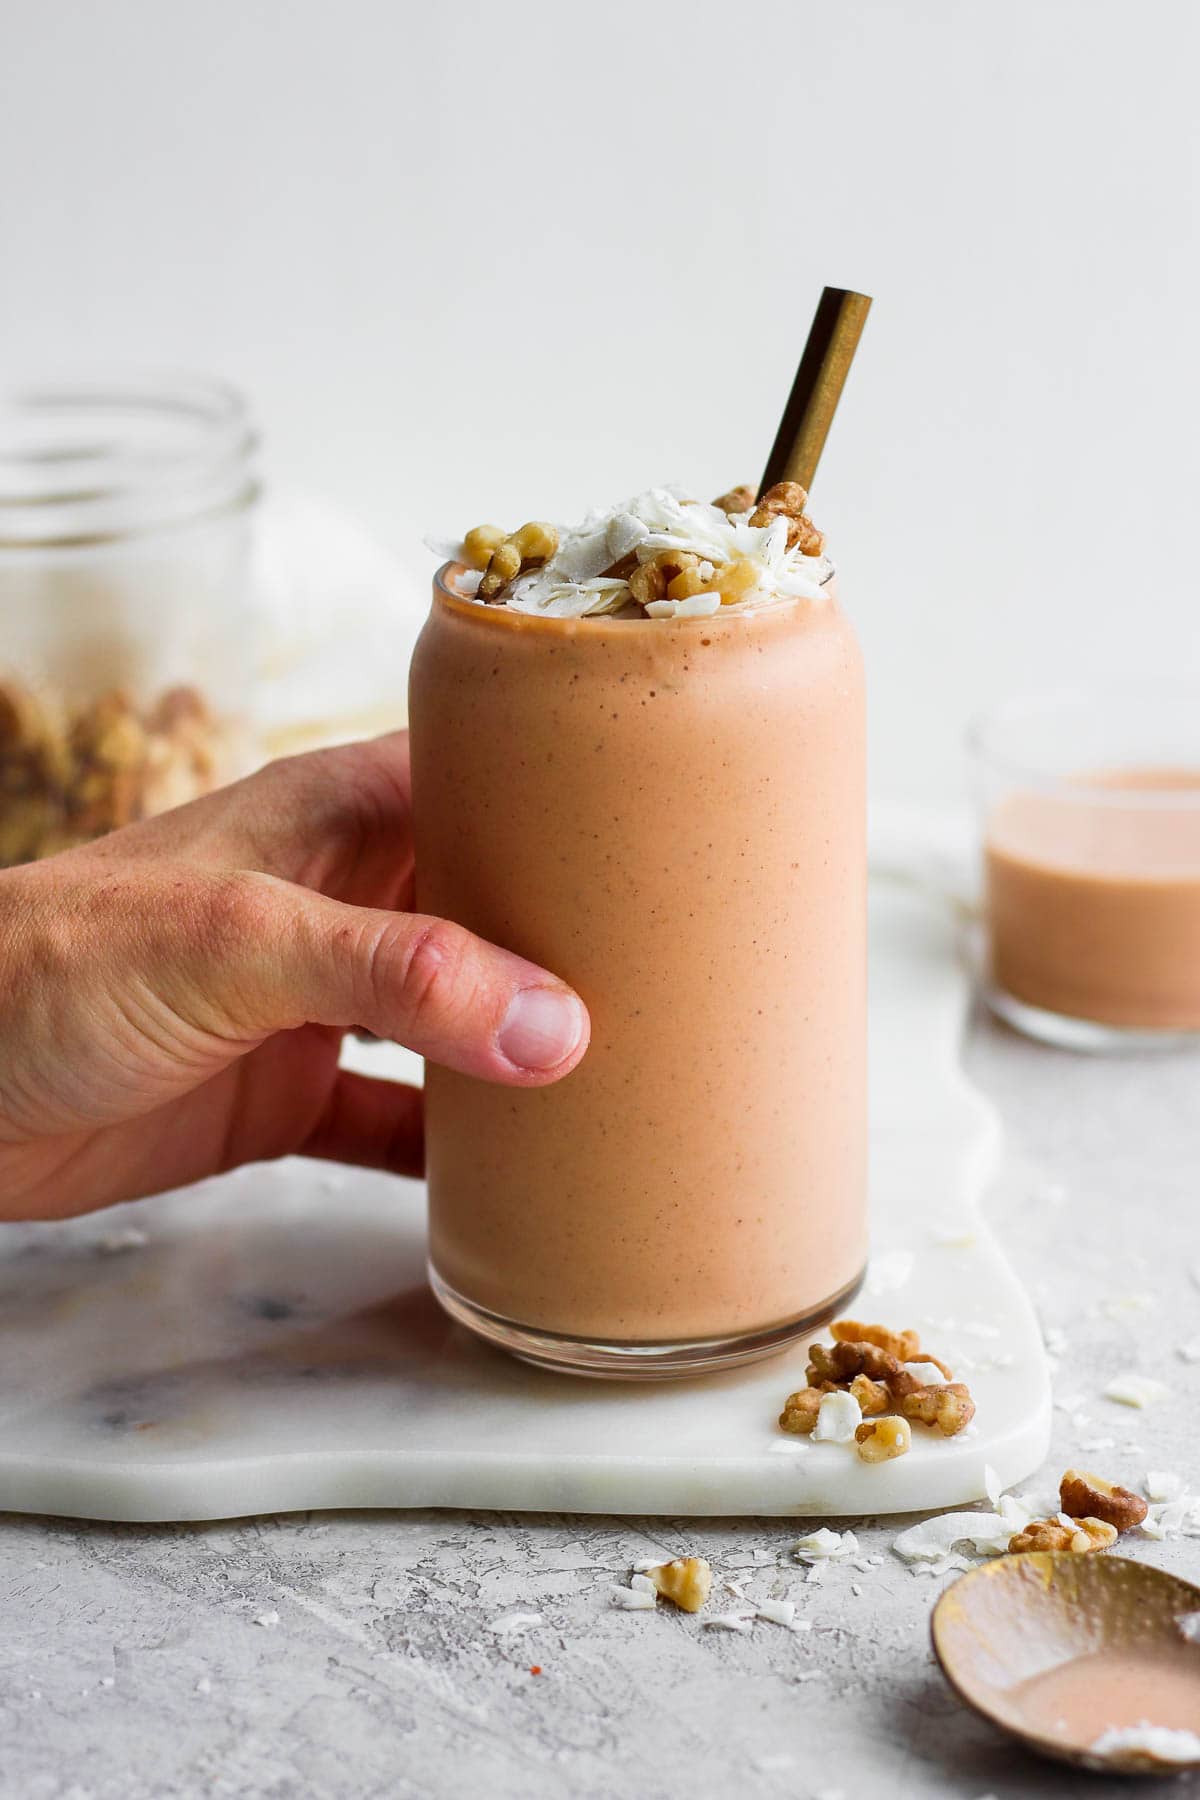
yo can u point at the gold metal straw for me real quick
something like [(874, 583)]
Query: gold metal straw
[(832, 341)]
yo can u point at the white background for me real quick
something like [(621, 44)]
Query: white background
[(504, 260)]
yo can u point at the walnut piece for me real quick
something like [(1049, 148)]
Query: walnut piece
[(878, 1440), (504, 565), (480, 544), (687, 1581), (1083, 1495), (903, 1345), (1080, 1536), (800, 1411), (69, 776), (844, 1361), (737, 500), (948, 1409), (872, 1396), (787, 499), (527, 548), (652, 580)]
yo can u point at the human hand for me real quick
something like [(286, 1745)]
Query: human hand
[(175, 994)]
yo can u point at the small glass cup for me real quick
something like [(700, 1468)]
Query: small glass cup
[(1089, 812), (126, 511)]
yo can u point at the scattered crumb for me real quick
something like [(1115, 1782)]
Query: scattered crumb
[(825, 1546), (633, 1599), (949, 1236), (128, 1237), (268, 1620), (891, 1271), (204, 1685), (777, 1612), (1132, 1389), (1116, 1306), (686, 1582)]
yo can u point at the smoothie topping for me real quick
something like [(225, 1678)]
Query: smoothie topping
[(870, 1386), (660, 555)]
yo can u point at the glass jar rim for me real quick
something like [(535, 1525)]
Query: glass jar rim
[(987, 749), (95, 459)]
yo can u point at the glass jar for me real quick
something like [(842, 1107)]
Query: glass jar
[(126, 511), (1089, 815), (670, 815)]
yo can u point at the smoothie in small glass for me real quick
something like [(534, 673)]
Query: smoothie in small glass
[(638, 760)]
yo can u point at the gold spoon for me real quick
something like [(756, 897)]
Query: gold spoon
[(1057, 1648)]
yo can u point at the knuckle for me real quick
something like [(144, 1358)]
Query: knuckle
[(234, 910), (428, 967)]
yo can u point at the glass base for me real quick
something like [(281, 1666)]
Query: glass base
[(614, 1360), (1089, 1035)]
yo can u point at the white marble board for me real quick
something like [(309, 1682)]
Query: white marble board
[(266, 1341)]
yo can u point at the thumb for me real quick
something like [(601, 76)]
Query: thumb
[(288, 956)]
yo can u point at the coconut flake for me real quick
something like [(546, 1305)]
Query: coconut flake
[(1132, 1389), (1188, 1626), (1177, 1517), (777, 1612), (128, 1237), (514, 1622), (825, 1546), (1189, 1352), (891, 1271), (445, 549), (1158, 1742), (729, 1621), (695, 606), (268, 1620), (988, 1533), (1162, 1484), (991, 1484), (838, 1418), (927, 1373), (631, 1599)]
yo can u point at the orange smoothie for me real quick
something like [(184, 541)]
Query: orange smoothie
[(1093, 898), (667, 812)]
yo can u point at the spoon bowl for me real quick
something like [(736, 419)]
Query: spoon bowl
[(1059, 1649)]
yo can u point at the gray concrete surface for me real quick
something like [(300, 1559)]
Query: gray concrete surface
[(145, 1663)]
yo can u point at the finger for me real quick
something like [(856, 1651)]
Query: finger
[(372, 1124), (337, 820), (267, 956)]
